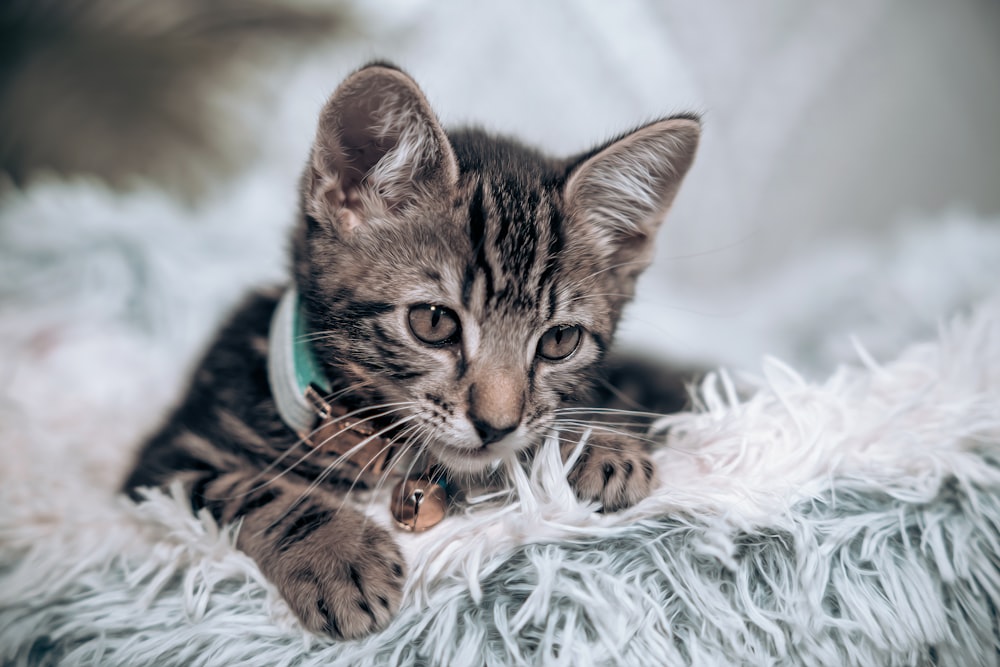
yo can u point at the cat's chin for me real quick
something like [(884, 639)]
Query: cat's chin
[(475, 461)]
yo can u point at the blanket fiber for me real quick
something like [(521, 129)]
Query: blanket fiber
[(840, 506), (853, 520)]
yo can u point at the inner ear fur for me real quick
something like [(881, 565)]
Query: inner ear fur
[(378, 147), (617, 196)]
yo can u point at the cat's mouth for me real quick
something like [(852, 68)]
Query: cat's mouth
[(478, 457)]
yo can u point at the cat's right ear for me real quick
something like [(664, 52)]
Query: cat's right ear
[(379, 148), (618, 195)]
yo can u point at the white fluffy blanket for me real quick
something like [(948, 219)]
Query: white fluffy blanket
[(849, 520), (840, 508)]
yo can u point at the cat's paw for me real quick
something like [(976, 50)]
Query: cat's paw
[(613, 470), (345, 580)]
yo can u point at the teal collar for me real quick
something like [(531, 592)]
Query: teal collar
[(295, 375), (300, 388)]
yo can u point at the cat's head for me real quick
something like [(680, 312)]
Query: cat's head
[(466, 280)]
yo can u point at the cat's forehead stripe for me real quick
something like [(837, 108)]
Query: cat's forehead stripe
[(515, 234), (552, 259), (479, 238)]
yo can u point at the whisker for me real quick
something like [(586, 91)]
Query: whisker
[(333, 397), (593, 295), (312, 450), (405, 436), (337, 394), (639, 421), (619, 427), (609, 411), (437, 475), (316, 335), (674, 307), (556, 431), (413, 434), (640, 262), (674, 258), (619, 394), (581, 427), (711, 251), (413, 461), (419, 443), (659, 443), (392, 441), (353, 450), (592, 422), (330, 468)]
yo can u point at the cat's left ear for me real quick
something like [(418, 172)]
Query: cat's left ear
[(379, 148), (617, 197)]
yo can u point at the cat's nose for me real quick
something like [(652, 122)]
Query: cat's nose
[(489, 433), (496, 403)]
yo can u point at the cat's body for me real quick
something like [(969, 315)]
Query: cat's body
[(463, 285)]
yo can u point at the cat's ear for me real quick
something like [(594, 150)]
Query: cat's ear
[(617, 196), (378, 148)]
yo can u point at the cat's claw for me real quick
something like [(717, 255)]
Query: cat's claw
[(613, 470), (343, 584)]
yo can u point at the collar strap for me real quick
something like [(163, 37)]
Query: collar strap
[(300, 388)]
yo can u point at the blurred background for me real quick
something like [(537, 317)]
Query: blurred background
[(848, 183)]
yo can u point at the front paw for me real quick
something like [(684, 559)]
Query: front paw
[(344, 580), (613, 470)]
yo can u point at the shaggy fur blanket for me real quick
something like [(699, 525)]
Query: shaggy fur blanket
[(853, 520)]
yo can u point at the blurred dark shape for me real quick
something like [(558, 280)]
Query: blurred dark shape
[(129, 91), (633, 381)]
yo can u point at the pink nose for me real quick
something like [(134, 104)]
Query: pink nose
[(496, 401)]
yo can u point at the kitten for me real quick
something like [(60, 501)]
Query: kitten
[(460, 286)]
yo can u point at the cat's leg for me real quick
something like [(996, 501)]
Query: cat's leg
[(338, 571), (613, 469)]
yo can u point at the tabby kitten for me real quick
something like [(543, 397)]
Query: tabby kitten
[(458, 289)]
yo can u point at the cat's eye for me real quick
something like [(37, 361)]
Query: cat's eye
[(434, 325), (559, 342)]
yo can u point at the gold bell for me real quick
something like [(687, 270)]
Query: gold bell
[(418, 504)]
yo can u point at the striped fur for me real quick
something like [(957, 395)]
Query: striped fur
[(398, 214)]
